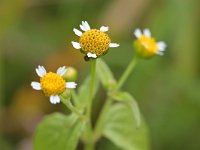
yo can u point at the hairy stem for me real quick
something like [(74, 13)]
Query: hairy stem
[(127, 72), (92, 82), (89, 133), (69, 105)]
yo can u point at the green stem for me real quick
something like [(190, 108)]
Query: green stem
[(75, 97), (101, 120), (92, 81), (69, 105), (89, 145), (127, 72)]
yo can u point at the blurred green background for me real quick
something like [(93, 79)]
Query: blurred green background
[(39, 32)]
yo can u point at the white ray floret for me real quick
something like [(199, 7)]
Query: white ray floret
[(161, 46), (104, 29), (160, 53), (61, 70), (82, 27), (85, 26), (40, 71), (76, 45), (113, 45), (77, 32), (36, 85), (91, 55), (54, 99), (138, 33), (147, 32), (71, 85)]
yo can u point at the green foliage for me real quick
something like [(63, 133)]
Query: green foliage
[(83, 92), (121, 129), (105, 75), (130, 102), (40, 32), (58, 132), (106, 144)]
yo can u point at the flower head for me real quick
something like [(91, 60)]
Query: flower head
[(93, 42), (52, 84), (146, 45)]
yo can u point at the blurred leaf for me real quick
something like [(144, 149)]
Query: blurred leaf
[(10, 12), (83, 92), (131, 102), (106, 144), (105, 75), (5, 145), (120, 129), (58, 132)]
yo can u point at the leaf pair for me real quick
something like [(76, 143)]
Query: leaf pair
[(123, 125)]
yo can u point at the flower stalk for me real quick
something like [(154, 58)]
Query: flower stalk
[(69, 105), (89, 133), (127, 72)]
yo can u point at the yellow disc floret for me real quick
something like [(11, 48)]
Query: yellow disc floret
[(146, 46), (52, 84), (94, 41)]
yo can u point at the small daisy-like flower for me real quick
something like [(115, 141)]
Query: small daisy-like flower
[(93, 42), (146, 45), (52, 84)]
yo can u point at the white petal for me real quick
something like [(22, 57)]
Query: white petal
[(159, 53), (77, 32), (147, 32), (36, 85), (113, 45), (138, 33), (71, 85), (161, 46), (76, 45), (54, 99), (86, 25), (90, 55), (82, 27), (43, 70), (104, 29), (61, 70), (40, 71)]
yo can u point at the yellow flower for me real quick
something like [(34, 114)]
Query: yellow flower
[(146, 46), (93, 42), (52, 84)]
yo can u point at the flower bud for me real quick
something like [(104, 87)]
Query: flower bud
[(70, 74)]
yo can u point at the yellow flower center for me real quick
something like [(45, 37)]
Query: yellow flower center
[(149, 44), (94, 41), (52, 84)]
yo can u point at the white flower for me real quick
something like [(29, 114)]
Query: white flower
[(52, 84), (93, 42)]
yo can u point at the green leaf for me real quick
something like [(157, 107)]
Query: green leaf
[(130, 101), (105, 75), (84, 90), (58, 132), (105, 144), (120, 128)]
